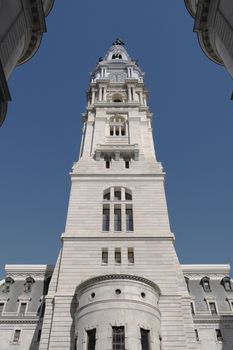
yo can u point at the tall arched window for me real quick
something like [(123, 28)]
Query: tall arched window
[(117, 210)]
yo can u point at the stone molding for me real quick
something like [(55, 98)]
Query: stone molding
[(216, 320), (24, 271), (69, 237), (198, 270), (112, 277), (12, 321)]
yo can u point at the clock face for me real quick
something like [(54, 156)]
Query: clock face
[(117, 77)]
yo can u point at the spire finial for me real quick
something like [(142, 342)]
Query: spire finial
[(119, 41)]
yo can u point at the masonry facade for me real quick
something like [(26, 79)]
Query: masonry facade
[(117, 283)]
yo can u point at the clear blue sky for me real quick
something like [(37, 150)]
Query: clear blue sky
[(193, 124)]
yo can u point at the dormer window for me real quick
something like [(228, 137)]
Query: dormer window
[(8, 282), (226, 282), (205, 282), (28, 284), (187, 283)]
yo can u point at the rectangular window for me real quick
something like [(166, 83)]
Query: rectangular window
[(219, 335), (91, 339), (118, 338), (16, 336), (106, 218), (213, 308), (126, 164), (129, 219), (22, 309), (145, 339), (107, 164), (118, 255), (1, 308), (196, 334), (105, 255), (192, 309), (117, 219), (130, 255)]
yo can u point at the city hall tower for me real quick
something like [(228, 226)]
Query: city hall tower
[(117, 283)]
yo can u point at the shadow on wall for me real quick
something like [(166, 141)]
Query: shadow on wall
[(35, 343), (226, 332), (36, 337), (73, 307)]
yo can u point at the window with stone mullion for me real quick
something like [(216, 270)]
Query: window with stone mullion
[(118, 338)]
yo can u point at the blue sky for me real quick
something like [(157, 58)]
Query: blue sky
[(193, 121)]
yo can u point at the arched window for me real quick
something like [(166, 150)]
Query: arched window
[(116, 55), (117, 98), (106, 195), (28, 284), (128, 195), (205, 282), (117, 194), (117, 126)]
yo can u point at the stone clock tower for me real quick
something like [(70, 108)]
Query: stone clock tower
[(117, 283)]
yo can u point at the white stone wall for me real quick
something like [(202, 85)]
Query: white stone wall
[(152, 241)]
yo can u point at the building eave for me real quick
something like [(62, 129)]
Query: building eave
[(223, 269), (4, 95), (204, 42), (189, 7), (38, 27)]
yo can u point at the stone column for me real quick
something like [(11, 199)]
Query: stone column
[(92, 97), (129, 94)]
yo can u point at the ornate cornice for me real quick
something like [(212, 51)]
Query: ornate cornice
[(112, 277), (197, 270), (25, 271), (220, 319), (15, 321)]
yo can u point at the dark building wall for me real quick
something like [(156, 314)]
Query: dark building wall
[(213, 22), (22, 24)]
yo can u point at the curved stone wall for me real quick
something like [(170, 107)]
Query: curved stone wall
[(118, 301)]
